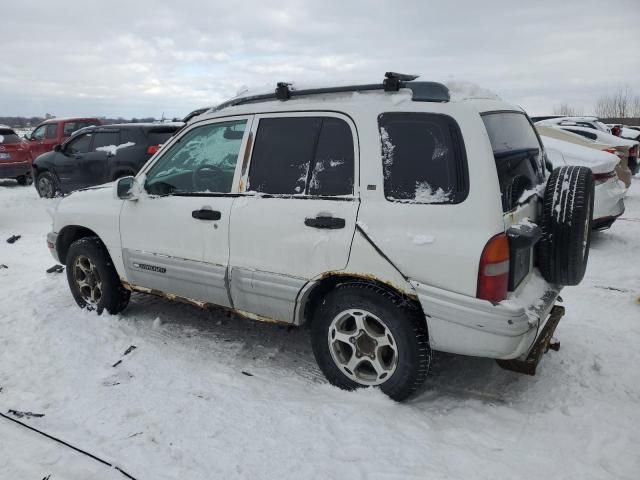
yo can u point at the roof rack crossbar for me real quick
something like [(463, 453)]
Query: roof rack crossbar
[(421, 91)]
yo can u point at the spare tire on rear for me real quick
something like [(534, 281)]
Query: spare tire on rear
[(567, 214)]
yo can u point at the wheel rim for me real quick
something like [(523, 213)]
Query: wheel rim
[(362, 347), (45, 186), (87, 279)]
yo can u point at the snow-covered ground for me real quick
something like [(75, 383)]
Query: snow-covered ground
[(205, 395)]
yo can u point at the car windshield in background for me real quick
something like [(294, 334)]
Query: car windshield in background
[(517, 153), (8, 136)]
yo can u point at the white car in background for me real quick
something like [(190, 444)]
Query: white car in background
[(622, 168), (587, 122), (608, 202), (625, 149)]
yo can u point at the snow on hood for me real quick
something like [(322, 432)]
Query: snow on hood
[(562, 153), (462, 90)]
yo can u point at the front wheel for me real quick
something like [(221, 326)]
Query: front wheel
[(93, 280), (46, 185), (365, 336), (24, 179)]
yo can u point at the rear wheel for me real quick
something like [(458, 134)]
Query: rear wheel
[(93, 280), (365, 336), (46, 185)]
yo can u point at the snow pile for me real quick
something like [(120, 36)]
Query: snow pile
[(113, 149), (463, 90)]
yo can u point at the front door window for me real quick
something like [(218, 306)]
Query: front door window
[(202, 161)]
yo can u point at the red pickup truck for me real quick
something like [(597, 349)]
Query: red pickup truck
[(55, 131)]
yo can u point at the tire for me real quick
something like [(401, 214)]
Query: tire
[(24, 179), (404, 369), (46, 185), (567, 221), (92, 278)]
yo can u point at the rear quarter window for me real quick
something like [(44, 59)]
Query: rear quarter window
[(158, 137), (423, 158)]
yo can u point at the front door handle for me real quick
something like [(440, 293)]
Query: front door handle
[(332, 223), (206, 214)]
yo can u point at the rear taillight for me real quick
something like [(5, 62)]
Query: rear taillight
[(633, 151), (493, 274), (153, 149), (600, 178)]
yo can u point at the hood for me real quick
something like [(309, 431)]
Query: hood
[(44, 158), (562, 153)]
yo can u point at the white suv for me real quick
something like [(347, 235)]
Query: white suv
[(389, 218)]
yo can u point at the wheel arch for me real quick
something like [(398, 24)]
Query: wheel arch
[(70, 234), (314, 291)]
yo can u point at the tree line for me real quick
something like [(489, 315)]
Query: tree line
[(623, 103)]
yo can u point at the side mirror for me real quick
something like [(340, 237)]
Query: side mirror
[(127, 188), (57, 148), (27, 136)]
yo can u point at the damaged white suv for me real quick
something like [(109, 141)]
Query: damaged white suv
[(392, 220)]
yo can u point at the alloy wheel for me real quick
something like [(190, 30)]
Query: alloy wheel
[(87, 280), (362, 347)]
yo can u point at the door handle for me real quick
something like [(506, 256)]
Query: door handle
[(206, 214), (331, 223)]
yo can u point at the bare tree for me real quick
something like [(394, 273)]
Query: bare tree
[(567, 110), (621, 104)]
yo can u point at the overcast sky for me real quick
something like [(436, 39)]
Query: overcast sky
[(146, 57)]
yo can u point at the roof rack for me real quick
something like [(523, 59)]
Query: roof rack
[(393, 82)]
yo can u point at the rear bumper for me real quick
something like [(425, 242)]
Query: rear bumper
[(608, 203), (14, 169), (52, 238), (470, 326)]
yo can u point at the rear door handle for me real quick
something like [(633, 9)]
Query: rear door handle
[(332, 223), (206, 214)]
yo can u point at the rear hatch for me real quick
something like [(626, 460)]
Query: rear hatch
[(12, 148), (521, 172)]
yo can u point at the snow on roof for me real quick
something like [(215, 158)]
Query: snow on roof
[(465, 90), (564, 153)]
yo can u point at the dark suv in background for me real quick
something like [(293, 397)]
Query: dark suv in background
[(97, 155)]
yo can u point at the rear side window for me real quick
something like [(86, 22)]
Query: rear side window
[(423, 158), (158, 137), (517, 154), (8, 136), (51, 131), (101, 140), (303, 155)]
